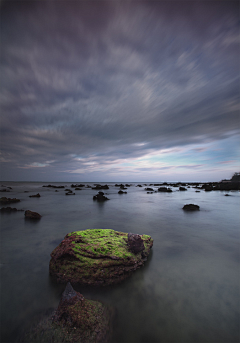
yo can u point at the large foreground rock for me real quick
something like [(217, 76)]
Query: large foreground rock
[(99, 256), (76, 320)]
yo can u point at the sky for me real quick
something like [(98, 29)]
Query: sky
[(106, 91)]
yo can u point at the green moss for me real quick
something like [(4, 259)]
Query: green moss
[(96, 256)]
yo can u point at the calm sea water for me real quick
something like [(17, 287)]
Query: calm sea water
[(188, 291)]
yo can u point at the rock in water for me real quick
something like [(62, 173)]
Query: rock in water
[(98, 256), (191, 207), (32, 215), (5, 200), (76, 319)]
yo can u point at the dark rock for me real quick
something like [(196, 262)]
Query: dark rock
[(8, 209), (26, 192), (197, 191), (100, 197), (121, 192), (227, 195), (53, 186), (70, 193), (139, 186), (127, 185), (101, 187), (135, 243), (4, 190), (32, 215), (78, 189), (191, 207), (164, 189), (122, 187), (149, 189), (182, 189), (5, 200), (98, 257), (76, 319), (35, 196)]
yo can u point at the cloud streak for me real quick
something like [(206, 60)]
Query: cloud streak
[(104, 81)]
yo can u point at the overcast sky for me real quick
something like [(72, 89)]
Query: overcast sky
[(119, 90)]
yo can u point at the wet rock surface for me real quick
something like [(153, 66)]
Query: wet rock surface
[(99, 256), (76, 320)]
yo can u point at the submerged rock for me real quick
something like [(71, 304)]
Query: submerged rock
[(191, 207), (32, 215), (99, 256), (76, 319)]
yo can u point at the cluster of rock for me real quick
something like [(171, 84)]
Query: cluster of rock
[(100, 187), (9, 209), (5, 200), (99, 257), (53, 186)]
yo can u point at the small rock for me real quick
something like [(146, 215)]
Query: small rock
[(100, 197), (32, 215), (35, 196)]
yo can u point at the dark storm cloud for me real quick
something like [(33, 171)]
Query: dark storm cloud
[(115, 79)]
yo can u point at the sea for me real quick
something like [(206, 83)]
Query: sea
[(187, 291)]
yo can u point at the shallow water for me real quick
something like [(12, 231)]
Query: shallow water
[(188, 291)]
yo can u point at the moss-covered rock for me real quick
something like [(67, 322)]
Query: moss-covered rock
[(98, 257), (76, 320)]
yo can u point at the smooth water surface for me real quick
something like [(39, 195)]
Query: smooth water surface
[(188, 291)]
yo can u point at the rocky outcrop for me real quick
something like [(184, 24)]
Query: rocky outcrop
[(99, 256), (191, 207), (35, 196), (149, 189), (32, 215), (100, 197), (5, 200), (182, 189), (76, 319)]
